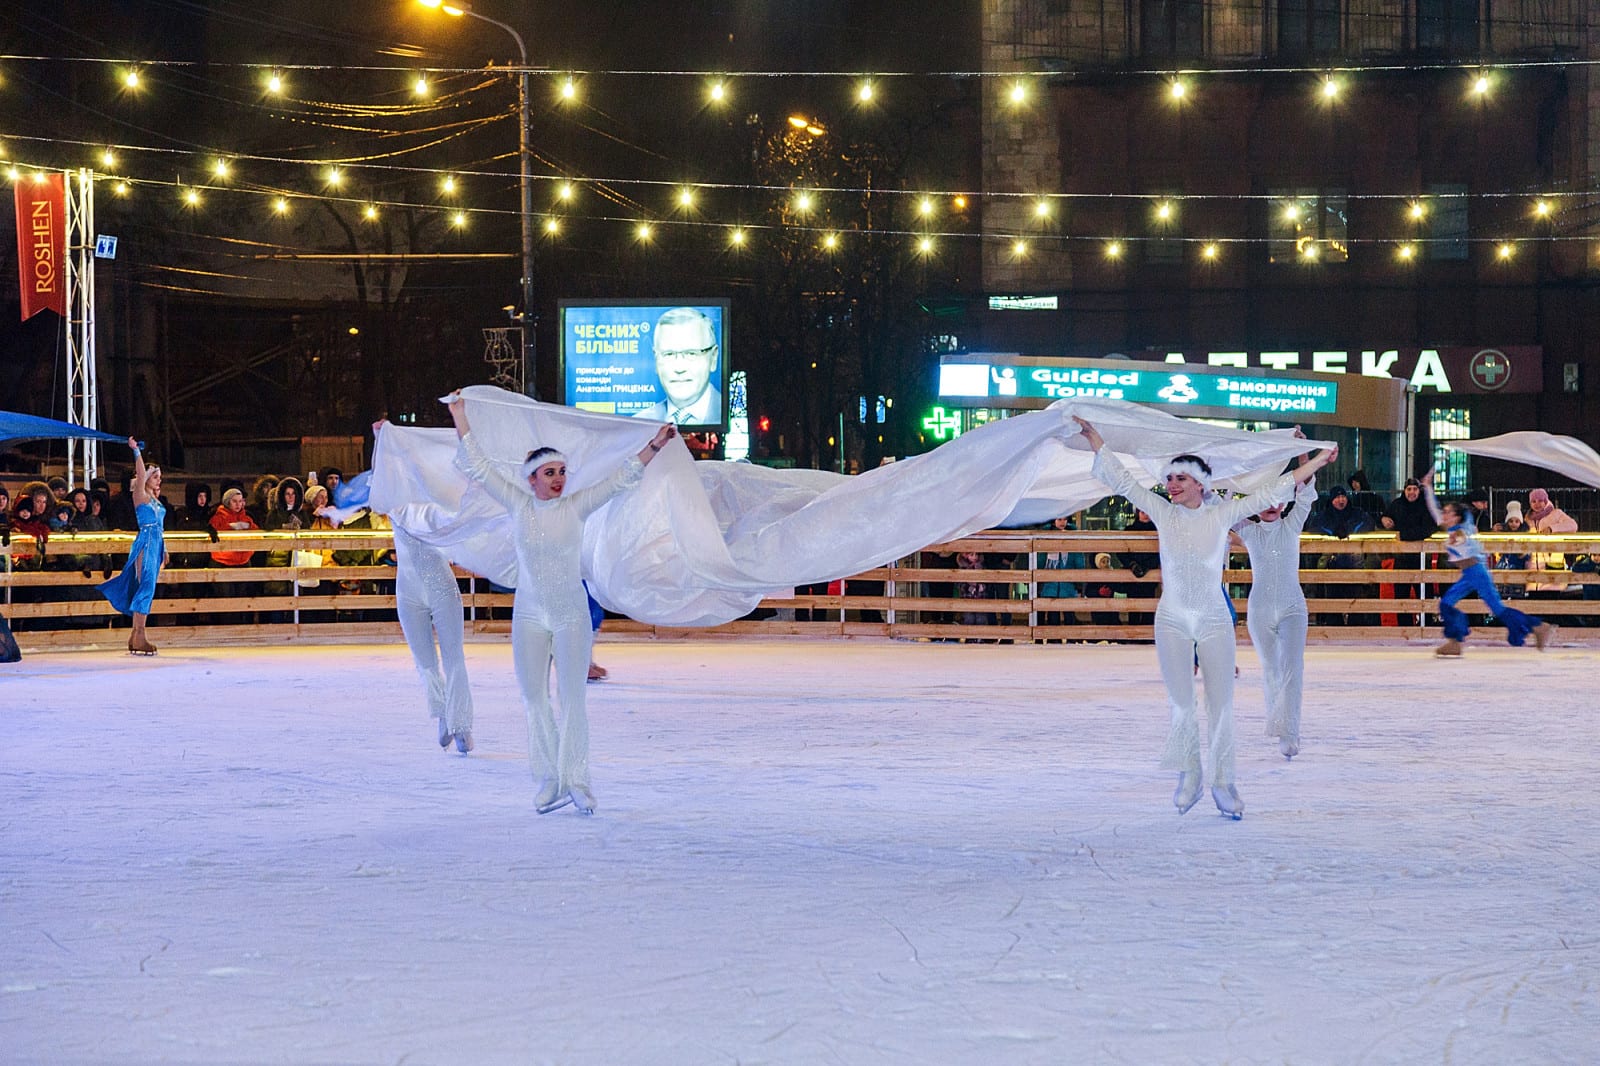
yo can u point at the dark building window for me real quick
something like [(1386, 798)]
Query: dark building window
[(1172, 29), (1448, 26), (1446, 222), (1307, 225), (1308, 27)]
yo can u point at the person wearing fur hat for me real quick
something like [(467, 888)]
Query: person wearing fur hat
[(1463, 551), (1191, 617), (550, 614), (134, 590)]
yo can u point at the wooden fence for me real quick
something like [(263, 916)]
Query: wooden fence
[(1368, 588)]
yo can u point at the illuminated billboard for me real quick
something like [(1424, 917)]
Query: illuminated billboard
[(663, 360)]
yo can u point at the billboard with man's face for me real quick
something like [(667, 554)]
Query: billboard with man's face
[(659, 360)]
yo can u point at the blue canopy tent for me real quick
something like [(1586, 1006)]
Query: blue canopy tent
[(15, 427)]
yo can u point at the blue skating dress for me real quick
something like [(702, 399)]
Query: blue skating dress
[(133, 590)]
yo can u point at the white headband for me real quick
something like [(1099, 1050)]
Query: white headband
[(1190, 467), (530, 465)]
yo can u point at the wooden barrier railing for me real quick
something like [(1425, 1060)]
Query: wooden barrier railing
[(51, 602)]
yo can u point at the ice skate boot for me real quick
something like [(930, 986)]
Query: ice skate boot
[(1450, 649), (1543, 634), (444, 734), (551, 797), (1290, 746), (1228, 801), (140, 647), (598, 672), (1188, 792), (464, 741), (581, 798)]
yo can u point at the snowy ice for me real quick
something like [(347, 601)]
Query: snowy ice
[(805, 852)]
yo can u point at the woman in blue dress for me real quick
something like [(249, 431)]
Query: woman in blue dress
[(133, 590)]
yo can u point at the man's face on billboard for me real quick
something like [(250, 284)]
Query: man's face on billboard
[(686, 357)]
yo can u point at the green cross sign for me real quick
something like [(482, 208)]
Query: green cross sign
[(942, 424)]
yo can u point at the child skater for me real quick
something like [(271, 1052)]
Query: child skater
[(1190, 616), (1462, 550), (1276, 616)]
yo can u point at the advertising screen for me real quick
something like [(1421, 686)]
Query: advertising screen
[(664, 360)]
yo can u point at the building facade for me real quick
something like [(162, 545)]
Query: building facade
[(1306, 185)]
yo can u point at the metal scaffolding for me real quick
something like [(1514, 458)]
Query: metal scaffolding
[(83, 406)]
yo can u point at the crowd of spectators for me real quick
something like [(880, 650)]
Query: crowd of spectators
[(40, 509)]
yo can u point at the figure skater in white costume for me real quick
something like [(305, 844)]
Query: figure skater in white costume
[(428, 602), (1191, 618), (550, 614), (1276, 616)]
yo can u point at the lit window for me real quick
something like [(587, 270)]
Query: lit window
[(1307, 226)]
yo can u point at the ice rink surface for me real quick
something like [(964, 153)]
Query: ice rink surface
[(804, 853)]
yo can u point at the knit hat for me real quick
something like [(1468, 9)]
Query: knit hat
[(1337, 491), (1514, 511), (228, 496)]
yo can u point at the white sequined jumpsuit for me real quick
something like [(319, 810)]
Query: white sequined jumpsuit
[(1192, 620), (428, 601), (1277, 617), (550, 615)]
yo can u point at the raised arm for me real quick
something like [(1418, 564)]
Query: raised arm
[(1109, 469), (1428, 497), (659, 441), (140, 495), (476, 465)]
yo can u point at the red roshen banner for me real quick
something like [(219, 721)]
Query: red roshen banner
[(42, 245)]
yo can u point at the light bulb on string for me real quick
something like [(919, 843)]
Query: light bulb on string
[(1308, 250), (13, 173), (1177, 90), (371, 213), (1041, 209), (1291, 213), (334, 177), (274, 82), (569, 90), (420, 86), (1504, 250), (1480, 85), (736, 237), (717, 92), (459, 220), (448, 185), (191, 197), (280, 206), (1019, 249), (1541, 209), (1164, 211), (1113, 249), (865, 92), (108, 158), (552, 226), (803, 202), (925, 207), (925, 246), (959, 203), (130, 79), (1018, 93), (1330, 88), (219, 169), (685, 197), (121, 188), (1210, 251), (830, 241), (1406, 252), (1417, 210)]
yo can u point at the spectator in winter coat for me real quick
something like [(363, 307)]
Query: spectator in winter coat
[(1407, 514), (1545, 517), (232, 516), (1340, 518)]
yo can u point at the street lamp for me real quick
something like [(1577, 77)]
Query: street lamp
[(529, 347)]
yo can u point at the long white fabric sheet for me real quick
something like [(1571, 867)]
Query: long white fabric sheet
[(700, 543), (1567, 456)]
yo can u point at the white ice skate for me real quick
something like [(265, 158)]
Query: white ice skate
[(1228, 801), (444, 735), (464, 741), (581, 798), (1188, 792), (551, 798), (1290, 746)]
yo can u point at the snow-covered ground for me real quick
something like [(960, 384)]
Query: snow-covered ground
[(804, 853)]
